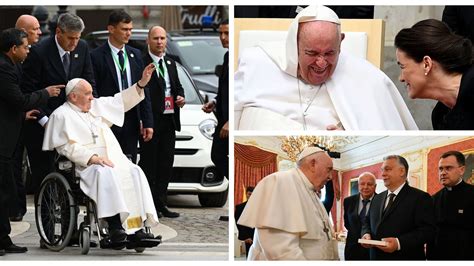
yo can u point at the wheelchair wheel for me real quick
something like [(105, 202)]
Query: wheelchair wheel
[(85, 240), (139, 250), (55, 212)]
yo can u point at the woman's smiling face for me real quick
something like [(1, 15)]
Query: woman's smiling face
[(412, 74)]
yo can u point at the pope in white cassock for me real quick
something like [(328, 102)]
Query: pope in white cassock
[(306, 83), (80, 130), (289, 219)]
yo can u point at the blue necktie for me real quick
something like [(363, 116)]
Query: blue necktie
[(66, 64), (363, 212)]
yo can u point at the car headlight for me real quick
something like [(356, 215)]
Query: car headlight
[(207, 128)]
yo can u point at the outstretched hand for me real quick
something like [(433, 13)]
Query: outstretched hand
[(54, 90)]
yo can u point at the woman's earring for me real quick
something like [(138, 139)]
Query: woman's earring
[(426, 73)]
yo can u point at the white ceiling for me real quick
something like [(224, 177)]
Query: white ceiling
[(365, 150)]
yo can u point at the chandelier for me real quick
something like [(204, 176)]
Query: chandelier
[(294, 145)]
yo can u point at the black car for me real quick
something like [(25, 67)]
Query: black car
[(199, 51)]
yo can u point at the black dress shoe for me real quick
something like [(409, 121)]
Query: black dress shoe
[(18, 218), (167, 213), (117, 235), (93, 244), (15, 249), (42, 244), (141, 234), (2, 252)]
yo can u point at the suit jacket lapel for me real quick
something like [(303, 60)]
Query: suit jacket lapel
[(397, 200), (154, 77), (55, 59), (380, 207), (355, 211), (157, 93), (75, 61), (132, 59), (111, 64), (171, 74)]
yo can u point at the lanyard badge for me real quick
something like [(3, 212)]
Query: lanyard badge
[(169, 100)]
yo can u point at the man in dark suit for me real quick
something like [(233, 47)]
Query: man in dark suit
[(245, 233), (454, 212), (220, 141), (167, 97), (53, 61), (13, 103), (402, 216), (116, 67), (356, 208), (31, 26)]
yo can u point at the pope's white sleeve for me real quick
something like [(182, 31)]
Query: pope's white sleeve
[(75, 152), (131, 97), (280, 245), (239, 92), (237, 115)]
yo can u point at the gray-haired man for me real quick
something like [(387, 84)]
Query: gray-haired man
[(53, 61)]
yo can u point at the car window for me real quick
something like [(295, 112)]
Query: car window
[(202, 56), (190, 93)]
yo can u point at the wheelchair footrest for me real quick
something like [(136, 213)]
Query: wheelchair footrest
[(106, 243), (144, 243)]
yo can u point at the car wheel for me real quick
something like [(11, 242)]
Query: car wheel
[(213, 199)]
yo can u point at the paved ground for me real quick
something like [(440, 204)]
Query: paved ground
[(198, 234), (340, 247)]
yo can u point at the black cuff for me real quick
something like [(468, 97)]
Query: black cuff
[(138, 85)]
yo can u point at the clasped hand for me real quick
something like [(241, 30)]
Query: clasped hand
[(100, 161)]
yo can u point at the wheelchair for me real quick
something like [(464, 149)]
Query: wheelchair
[(57, 206)]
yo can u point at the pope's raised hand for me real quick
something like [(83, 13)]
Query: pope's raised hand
[(146, 75)]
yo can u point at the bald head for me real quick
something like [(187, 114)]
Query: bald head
[(31, 26), (157, 40)]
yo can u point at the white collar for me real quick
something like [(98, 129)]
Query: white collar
[(156, 58), (396, 191), (305, 179), (60, 49), (451, 188), (75, 108), (114, 49), (361, 199)]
